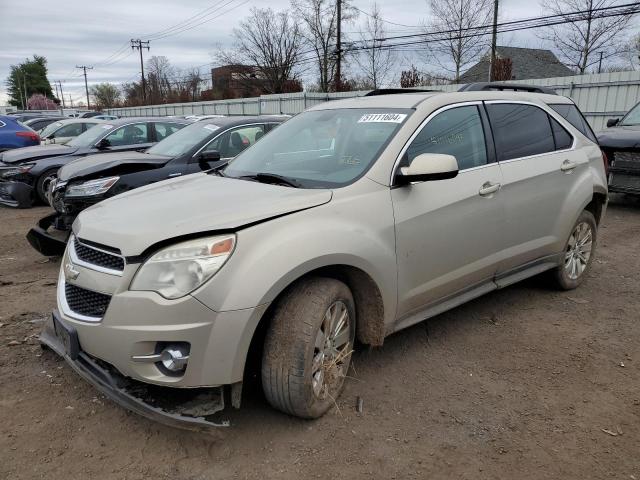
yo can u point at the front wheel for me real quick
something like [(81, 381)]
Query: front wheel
[(308, 347), (579, 252), (42, 185)]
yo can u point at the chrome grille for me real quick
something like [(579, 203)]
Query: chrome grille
[(98, 257), (86, 302)]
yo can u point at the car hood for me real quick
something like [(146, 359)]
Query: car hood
[(108, 162), (24, 154), (198, 203), (624, 136)]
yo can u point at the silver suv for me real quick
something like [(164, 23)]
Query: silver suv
[(352, 220)]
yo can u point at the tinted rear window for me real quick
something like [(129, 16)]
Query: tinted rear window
[(571, 113), (520, 130), (563, 138)]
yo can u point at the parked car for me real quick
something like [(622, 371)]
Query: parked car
[(25, 173), (13, 134), (91, 179), (621, 143), (354, 219), (38, 123), (64, 130)]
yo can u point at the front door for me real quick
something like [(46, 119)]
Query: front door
[(448, 231)]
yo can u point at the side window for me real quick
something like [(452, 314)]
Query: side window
[(458, 132), (520, 130), (128, 135), (72, 130), (563, 139), (571, 113), (231, 143), (163, 130)]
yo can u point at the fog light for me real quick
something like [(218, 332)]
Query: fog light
[(175, 357)]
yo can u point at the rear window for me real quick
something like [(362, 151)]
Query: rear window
[(572, 115)]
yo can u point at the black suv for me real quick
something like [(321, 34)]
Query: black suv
[(203, 145)]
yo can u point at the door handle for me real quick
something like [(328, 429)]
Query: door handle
[(177, 174), (489, 188), (568, 166)]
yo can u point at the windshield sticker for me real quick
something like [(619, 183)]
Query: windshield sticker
[(107, 127), (382, 117), (211, 126)]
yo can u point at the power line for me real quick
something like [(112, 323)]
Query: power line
[(385, 21)]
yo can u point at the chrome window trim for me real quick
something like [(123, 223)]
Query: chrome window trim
[(424, 124), (225, 131), (64, 306), (77, 261)]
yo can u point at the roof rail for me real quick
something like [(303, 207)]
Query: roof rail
[(393, 91), (516, 87)]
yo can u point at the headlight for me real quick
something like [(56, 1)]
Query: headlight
[(175, 271), (92, 187), (12, 172)]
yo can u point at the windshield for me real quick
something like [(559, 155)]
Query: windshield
[(184, 139), (49, 129), (323, 148), (91, 136), (632, 117)]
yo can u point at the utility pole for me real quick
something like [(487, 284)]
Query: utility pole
[(24, 90), (139, 44), (600, 63), (61, 94), (86, 87), (494, 38), (71, 100), (338, 79), (55, 84)]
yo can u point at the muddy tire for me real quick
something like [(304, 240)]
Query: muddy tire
[(43, 184), (578, 253), (308, 347)]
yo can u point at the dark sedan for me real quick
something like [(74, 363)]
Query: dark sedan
[(201, 146), (621, 144), (25, 173)]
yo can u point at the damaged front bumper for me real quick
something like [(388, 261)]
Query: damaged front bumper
[(16, 194), (45, 242), (181, 408)]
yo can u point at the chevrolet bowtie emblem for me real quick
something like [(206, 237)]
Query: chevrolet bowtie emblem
[(70, 272)]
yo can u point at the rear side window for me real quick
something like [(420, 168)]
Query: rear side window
[(520, 130), (562, 138), (458, 132), (571, 113), (72, 130), (128, 135), (163, 130)]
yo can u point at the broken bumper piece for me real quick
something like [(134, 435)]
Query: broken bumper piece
[(44, 242), (181, 408), (16, 194)]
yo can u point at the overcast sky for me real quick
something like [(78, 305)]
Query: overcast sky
[(88, 32)]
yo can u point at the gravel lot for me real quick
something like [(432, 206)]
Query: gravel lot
[(523, 383)]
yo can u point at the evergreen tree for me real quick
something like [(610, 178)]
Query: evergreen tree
[(30, 75)]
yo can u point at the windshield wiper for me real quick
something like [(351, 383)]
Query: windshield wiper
[(273, 178)]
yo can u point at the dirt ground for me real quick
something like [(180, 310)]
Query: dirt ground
[(524, 383)]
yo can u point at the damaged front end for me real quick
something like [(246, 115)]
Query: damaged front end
[(190, 409), (16, 194), (50, 236)]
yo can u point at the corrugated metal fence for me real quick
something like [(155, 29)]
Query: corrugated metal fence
[(599, 96)]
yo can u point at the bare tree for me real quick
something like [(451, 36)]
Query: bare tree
[(160, 74), (105, 95), (375, 61), (580, 40), (319, 21), (454, 50), (270, 43)]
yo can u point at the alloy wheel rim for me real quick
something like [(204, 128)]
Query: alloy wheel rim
[(331, 350), (578, 250)]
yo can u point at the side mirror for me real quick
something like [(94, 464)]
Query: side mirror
[(427, 167), (612, 122), (103, 144), (209, 157)]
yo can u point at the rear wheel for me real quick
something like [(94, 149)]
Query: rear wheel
[(579, 252), (308, 347), (42, 185)]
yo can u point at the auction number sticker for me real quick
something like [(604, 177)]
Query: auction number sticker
[(211, 126), (382, 117)]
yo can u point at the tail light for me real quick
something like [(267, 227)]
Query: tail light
[(30, 135), (605, 160)]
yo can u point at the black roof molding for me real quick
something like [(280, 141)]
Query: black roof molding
[(516, 87), (394, 91)]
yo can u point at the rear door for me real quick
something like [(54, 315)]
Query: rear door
[(541, 172), (448, 231), (134, 136)]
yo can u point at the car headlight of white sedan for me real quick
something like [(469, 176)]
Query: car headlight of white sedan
[(179, 269)]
